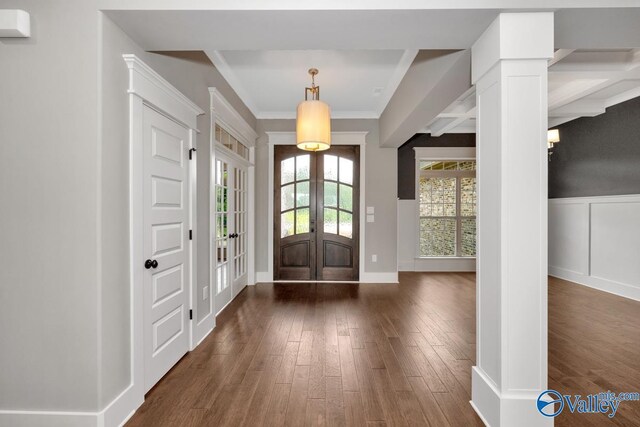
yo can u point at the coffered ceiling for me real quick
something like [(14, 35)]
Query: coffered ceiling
[(582, 83), (355, 83)]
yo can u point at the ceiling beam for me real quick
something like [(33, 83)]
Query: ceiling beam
[(432, 83)]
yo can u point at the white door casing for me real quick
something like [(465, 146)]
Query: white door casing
[(148, 89), (166, 244)]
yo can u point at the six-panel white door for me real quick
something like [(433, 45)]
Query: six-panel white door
[(166, 229)]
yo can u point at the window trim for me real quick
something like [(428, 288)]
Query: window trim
[(439, 154)]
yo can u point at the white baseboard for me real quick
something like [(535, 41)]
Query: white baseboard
[(616, 288), (497, 410), (379, 277), (202, 329), (438, 264), (117, 413), (263, 277)]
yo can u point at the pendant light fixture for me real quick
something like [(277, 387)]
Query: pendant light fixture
[(313, 120)]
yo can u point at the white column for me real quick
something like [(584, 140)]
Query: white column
[(509, 69)]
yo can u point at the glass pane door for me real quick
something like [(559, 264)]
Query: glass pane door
[(240, 230), (222, 224)]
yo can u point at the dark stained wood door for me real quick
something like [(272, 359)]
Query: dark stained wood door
[(316, 213), (294, 214), (338, 207)]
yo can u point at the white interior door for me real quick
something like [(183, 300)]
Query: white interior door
[(239, 232), (223, 223), (231, 225), (166, 229)]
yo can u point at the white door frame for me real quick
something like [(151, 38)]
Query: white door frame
[(223, 113), (148, 88), (337, 138)]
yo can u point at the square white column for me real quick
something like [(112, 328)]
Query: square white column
[(509, 69)]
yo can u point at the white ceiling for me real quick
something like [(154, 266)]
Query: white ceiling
[(582, 83), (355, 83), (245, 38)]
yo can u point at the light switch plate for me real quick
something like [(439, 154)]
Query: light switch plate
[(374, 258), (371, 218), (205, 293), (371, 210)]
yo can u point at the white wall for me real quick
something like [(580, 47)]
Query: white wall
[(64, 281), (49, 283), (595, 241), (380, 192)]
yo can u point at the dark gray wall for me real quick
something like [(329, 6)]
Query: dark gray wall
[(406, 157), (598, 156)]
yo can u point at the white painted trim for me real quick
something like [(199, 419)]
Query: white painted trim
[(251, 227), (440, 264), (445, 153), (585, 276), (155, 90), (610, 286), (116, 413), (503, 409), (337, 138), (230, 119), (378, 277), (146, 87)]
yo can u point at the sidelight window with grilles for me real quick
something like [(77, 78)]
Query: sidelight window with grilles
[(447, 208)]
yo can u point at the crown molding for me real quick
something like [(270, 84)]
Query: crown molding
[(157, 91), (224, 113)]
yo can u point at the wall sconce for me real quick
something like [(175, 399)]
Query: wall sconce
[(553, 137)]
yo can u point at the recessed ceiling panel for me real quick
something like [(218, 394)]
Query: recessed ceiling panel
[(355, 83)]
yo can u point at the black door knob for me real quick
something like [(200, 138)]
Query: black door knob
[(150, 264)]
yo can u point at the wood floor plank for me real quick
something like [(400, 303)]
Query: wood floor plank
[(335, 411), (354, 414), (370, 402), (315, 412), (432, 412), (296, 409), (359, 354), (347, 365), (387, 395)]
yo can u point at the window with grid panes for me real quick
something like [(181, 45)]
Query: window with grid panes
[(447, 208)]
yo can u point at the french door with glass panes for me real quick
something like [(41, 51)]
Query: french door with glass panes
[(316, 213), (230, 223)]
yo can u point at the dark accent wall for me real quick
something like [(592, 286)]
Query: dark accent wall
[(406, 157), (598, 156)]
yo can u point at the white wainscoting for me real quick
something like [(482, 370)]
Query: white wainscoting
[(595, 241), (408, 245)]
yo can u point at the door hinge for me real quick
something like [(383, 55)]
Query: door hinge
[(191, 152), (190, 314), (190, 234)]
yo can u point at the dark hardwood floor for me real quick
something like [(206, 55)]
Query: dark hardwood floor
[(376, 355)]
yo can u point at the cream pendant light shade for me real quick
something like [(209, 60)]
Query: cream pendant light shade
[(313, 120), (313, 126)]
